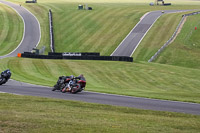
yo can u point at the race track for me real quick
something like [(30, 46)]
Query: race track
[(16, 87), (31, 39), (133, 39), (32, 34)]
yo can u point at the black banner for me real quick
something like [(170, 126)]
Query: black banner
[(75, 57)]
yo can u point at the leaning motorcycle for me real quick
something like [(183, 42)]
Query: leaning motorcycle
[(61, 83), (76, 86), (5, 76)]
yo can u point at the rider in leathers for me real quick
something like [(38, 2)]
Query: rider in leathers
[(73, 81)]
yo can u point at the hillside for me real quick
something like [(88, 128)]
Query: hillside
[(11, 29), (100, 30), (170, 77), (124, 78), (136, 79), (185, 50)]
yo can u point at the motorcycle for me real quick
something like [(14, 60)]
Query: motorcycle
[(76, 86), (61, 83), (5, 76)]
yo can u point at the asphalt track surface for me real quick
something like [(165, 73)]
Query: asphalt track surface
[(15, 87), (32, 33), (31, 39), (128, 46)]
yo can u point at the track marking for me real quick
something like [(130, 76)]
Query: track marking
[(24, 27)]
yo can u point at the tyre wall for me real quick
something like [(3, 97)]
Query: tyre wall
[(77, 56)]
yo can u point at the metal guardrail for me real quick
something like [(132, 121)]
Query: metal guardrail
[(173, 36), (51, 31)]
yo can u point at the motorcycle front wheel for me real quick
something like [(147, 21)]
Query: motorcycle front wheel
[(76, 89), (55, 87), (2, 81)]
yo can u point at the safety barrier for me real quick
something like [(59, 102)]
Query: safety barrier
[(33, 1), (76, 56), (51, 31), (173, 36)]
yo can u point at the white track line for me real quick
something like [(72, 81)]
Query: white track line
[(24, 28), (23, 33), (130, 32)]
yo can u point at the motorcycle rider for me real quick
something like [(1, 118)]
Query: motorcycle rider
[(6, 71), (5, 76), (74, 81), (81, 77), (71, 82)]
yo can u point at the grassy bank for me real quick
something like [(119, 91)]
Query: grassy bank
[(33, 114), (158, 35), (100, 30), (134, 79), (11, 29), (185, 50), (182, 2)]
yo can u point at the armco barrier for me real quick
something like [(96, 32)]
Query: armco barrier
[(86, 57), (173, 36), (51, 31)]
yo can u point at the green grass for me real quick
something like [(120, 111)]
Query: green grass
[(133, 79), (185, 50), (182, 2), (141, 79), (158, 35), (11, 29), (100, 30), (33, 114)]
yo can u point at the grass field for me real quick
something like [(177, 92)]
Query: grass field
[(11, 29), (100, 30), (185, 50), (140, 79), (134, 79), (182, 2), (158, 35), (33, 114), (152, 80)]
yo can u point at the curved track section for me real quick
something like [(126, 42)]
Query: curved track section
[(32, 33), (31, 39), (20, 88), (133, 39)]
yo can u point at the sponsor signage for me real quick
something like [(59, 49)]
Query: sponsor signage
[(71, 54)]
